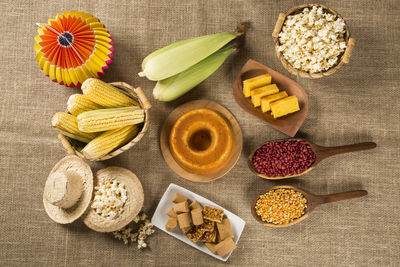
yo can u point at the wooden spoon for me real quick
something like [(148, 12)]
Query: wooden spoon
[(312, 202), (321, 153), (288, 124)]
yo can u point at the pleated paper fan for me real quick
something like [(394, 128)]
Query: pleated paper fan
[(73, 47)]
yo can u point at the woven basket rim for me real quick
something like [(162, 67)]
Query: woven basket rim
[(131, 93), (297, 72)]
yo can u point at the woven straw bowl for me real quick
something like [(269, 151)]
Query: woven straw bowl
[(343, 58), (74, 147)]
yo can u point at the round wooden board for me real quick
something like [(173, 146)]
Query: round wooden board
[(177, 113)]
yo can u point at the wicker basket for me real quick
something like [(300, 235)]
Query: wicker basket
[(74, 147), (343, 58)]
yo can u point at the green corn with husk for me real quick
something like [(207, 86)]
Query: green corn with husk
[(177, 57), (175, 86)]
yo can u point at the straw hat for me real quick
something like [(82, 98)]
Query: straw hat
[(68, 190), (132, 206)]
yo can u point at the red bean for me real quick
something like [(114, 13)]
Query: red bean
[(283, 158)]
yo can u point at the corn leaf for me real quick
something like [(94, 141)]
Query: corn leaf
[(175, 86)]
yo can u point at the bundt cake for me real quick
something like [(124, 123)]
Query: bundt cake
[(201, 141)]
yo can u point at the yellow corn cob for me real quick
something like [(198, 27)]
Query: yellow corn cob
[(73, 136), (105, 95), (108, 141), (110, 118), (78, 103), (68, 123)]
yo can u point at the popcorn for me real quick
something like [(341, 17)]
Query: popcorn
[(312, 40), (109, 198)]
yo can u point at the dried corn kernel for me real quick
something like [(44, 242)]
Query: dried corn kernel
[(281, 206)]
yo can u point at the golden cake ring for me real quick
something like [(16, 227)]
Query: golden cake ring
[(201, 141)]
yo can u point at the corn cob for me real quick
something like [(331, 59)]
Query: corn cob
[(108, 141), (175, 86), (179, 56), (73, 136), (106, 95), (65, 122), (78, 103), (110, 118)]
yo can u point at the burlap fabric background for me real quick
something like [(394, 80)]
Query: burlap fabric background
[(358, 103)]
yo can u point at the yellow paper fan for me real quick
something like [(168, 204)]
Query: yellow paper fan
[(73, 47)]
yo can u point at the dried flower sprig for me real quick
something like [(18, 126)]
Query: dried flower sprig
[(144, 230)]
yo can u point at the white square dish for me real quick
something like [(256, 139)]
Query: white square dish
[(160, 217)]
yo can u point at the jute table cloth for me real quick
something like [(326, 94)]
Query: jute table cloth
[(358, 103)]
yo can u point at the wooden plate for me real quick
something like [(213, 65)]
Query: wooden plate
[(289, 124), (177, 113)]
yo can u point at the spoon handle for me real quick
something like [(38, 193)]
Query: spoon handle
[(341, 196), (330, 151)]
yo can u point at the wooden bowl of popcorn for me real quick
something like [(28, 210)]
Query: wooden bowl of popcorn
[(312, 41)]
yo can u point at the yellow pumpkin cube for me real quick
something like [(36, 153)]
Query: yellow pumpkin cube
[(284, 106), (267, 100), (255, 82), (256, 94)]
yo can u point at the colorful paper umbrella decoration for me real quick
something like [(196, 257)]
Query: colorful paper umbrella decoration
[(72, 47)]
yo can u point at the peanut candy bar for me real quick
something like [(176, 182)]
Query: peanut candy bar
[(171, 213), (195, 205), (195, 234), (226, 246), (209, 237), (211, 247), (171, 224), (181, 207), (185, 229), (225, 229), (184, 220), (208, 225), (177, 198), (213, 214), (197, 217)]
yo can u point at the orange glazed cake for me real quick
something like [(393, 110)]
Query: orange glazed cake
[(201, 141)]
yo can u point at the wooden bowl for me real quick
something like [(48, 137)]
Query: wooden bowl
[(176, 114), (74, 147), (343, 58), (289, 124)]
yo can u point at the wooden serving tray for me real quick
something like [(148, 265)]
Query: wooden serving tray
[(289, 124), (177, 113)]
